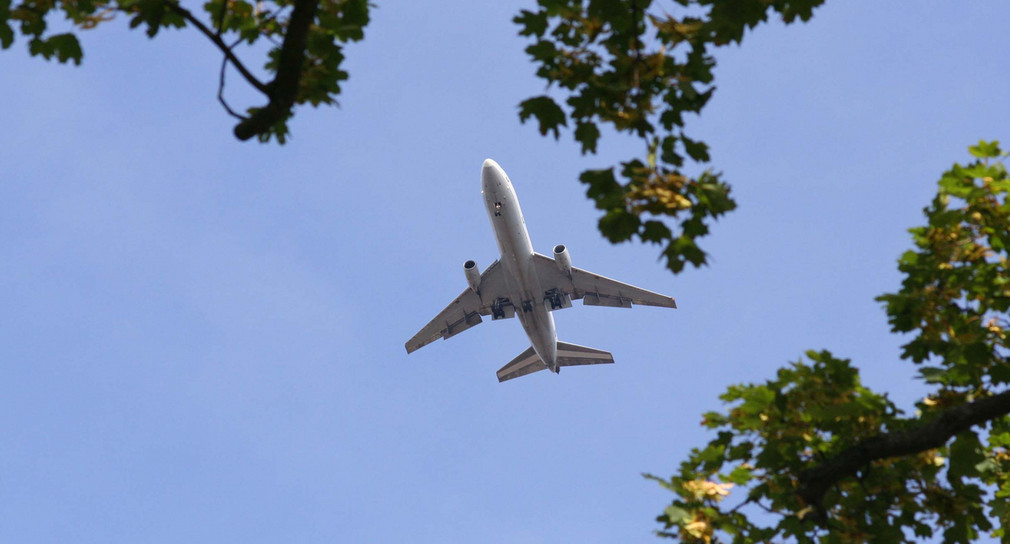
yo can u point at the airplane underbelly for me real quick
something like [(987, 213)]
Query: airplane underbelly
[(539, 326)]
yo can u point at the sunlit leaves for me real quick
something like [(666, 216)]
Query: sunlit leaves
[(956, 292), (768, 435), (773, 436), (633, 66), (985, 150)]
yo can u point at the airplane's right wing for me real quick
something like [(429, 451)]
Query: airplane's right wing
[(465, 311), (595, 290)]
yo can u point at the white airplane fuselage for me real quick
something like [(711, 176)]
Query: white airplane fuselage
[(517, 259)]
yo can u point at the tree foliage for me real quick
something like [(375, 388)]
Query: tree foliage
[(635, 67), (624, 64), (813, 455), (304, 57)]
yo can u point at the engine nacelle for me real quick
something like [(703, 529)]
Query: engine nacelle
[(472, 275), (563, 259)]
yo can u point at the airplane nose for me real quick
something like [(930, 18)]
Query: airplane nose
[(489, 175), (489, 170)]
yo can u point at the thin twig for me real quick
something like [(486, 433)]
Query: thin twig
[(220, 86), (744, 503), (186, 14)]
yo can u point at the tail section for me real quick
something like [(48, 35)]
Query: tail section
[(529, 362), (574, 355)]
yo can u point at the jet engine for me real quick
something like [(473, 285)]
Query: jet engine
[(472, 275), (562, 259)]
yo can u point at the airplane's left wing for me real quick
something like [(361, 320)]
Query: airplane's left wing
[(465, 311), (595, 290)]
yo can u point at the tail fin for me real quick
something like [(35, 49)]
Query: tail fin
[(529, 362), (573, 355)]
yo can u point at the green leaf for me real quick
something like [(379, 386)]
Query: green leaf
[(669, 154), (955, 185), (740, 476), (619, 225), (985, 150), (655, 231), (587, 134), (987, 465), (542, 50), (714, 419), (66, 47), (6, 35), (697, 150), (534, 24), (549, 115), (1000, 440), (977, 353), (965, 455), (677, 515), (932, 374), (909, 258), (603, 188)]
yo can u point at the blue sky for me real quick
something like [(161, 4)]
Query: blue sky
[(201, 340)]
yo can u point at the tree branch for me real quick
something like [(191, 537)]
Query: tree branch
[(815, 481), (220, 88), (283, 90), (186, 14)]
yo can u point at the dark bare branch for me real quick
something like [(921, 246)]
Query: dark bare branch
[(815, 481), (283, 90), (220, 88), (212, 36)]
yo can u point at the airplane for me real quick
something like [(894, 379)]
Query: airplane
[(529, 285)]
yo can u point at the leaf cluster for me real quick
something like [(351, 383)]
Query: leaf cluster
[(230, 25), (956, 289), (953, 299), (630, 65)]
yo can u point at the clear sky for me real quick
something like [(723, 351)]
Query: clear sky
[(201, 340)]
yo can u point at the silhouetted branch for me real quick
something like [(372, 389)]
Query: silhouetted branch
[(186, 14), (220, 87), (283, 90)]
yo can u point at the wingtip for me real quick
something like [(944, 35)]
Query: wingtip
[(674, 301)]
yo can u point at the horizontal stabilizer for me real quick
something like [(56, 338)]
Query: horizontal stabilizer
[(574, 354), (527, 362)]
